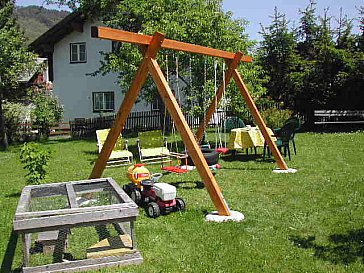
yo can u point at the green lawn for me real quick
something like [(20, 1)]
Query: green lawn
[(311, 221)]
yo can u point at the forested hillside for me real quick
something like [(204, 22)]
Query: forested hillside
[(35, 20)]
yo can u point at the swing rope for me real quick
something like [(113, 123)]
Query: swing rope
[(171, 168), (205, 122), (216, 118), (178, 101), (222, 149), (165, 108), (224, 102)]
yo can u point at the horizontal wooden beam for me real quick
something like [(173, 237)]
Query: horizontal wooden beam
[(141, 39)]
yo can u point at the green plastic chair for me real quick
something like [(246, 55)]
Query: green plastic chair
[(283, 136), (296, 123), (233, 122)]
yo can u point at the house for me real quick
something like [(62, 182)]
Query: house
[(72, 55)]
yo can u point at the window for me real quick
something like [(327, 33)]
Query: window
[(103, 102), (78, 52), (155, 104)]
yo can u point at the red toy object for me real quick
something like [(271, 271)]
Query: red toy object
[(156, 198), (160, 198), (174, 169), (222, 150), (138, 173)]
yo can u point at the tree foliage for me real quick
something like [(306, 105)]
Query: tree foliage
[(201, 22), (314, 65), (14, 113), (278, 56), (15, 60), (47, 110)]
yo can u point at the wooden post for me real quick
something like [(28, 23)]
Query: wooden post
[(192, 147), (26, 238), (126, 106), (220, 92), (259, 120)]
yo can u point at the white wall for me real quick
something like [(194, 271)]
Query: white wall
[(71, 84)]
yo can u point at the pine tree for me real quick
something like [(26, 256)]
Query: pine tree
[(278, 57)]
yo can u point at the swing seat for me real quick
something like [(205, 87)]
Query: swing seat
[(211, 156), (174, 169), (152, 148), (222, 150)]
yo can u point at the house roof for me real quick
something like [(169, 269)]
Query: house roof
[(44, 44), (26, 76)]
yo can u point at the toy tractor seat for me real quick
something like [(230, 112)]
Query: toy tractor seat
[(147, 183)]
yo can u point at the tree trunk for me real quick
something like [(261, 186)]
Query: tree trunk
[(3, 138)]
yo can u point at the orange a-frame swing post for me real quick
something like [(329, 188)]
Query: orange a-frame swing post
[(151, 46), (232, 72)]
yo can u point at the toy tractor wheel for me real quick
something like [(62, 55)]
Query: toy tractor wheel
[(128, 188), (153, 210), (180, 204), (136, 196)]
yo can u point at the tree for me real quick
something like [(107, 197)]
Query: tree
[(279, 58), (307, 67), (360, 37), (14, 60), (47, 110), (194, 21), (307, 31), (200, 22), (329, 64), (345, 38)]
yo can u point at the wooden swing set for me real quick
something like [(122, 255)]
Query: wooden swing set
[(150, 45)]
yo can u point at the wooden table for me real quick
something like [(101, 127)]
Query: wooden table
[(247, 137), (52, 215)]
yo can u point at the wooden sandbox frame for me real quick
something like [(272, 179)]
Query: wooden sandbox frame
[(59, 222)]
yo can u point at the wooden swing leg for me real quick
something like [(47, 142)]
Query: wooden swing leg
[(188, 138), (259, 120)]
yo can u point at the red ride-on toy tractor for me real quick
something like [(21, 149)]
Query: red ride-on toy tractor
[(156, 198), (160, 198)]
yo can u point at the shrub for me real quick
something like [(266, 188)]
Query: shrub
[(35, 159), (14, 113), (47, 110), (275, 118)]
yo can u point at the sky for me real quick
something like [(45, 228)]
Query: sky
[(259, 11)]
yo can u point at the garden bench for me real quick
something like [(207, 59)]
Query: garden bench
[(339, 117)]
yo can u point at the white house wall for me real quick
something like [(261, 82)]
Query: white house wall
[(72, 85)]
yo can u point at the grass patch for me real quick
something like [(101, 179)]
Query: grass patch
[(311, 221)]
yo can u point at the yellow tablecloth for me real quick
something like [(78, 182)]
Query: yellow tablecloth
[(242, 138)]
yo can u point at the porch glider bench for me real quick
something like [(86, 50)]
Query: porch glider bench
[(324, 117)]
